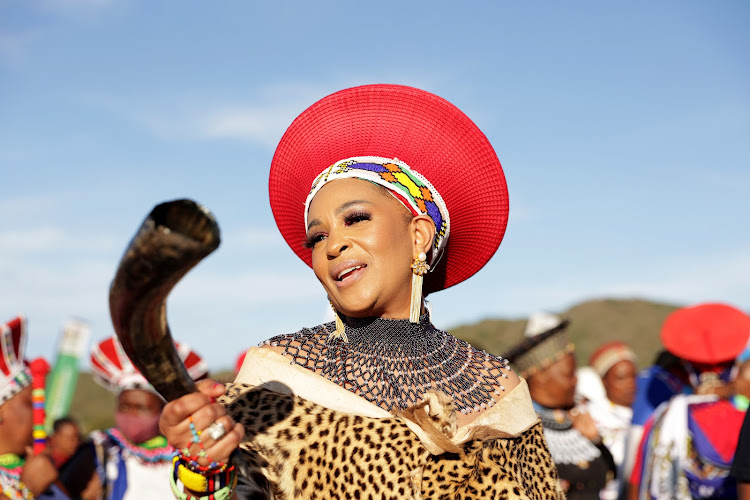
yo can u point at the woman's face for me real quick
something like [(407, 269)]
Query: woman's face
[(562, 380), (363, 242), (139, 402), (18, 424), (619, 382)]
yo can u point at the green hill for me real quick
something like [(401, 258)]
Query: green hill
[(636, 322), (592, 323)]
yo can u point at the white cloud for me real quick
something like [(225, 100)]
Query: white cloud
[(26, 207), (263, 125), (48, 239), (261, 119)]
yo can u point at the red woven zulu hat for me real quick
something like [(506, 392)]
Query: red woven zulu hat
[(430, 135), (706, 333)]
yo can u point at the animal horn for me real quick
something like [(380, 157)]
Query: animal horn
[(174, 237)]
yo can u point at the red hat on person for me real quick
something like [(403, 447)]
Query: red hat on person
[(15, 374), (706, 333), (113, 370), (415, 128)]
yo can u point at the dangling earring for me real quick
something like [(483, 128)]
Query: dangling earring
[(340, 330), (418, 268)]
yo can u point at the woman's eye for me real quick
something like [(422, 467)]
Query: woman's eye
[(357, 217), (313, 239)]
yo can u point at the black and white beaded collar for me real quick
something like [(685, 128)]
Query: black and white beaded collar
[(392, 363)]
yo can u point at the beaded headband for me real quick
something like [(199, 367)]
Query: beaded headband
[(405, 184), (608, 355), (15, 374), (113, 370), (537, 352)]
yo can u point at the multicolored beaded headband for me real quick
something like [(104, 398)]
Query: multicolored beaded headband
[(15, 374), (406, 185), (113, 370)]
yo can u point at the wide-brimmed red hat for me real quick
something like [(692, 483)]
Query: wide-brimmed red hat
[(430, 135), (706, 333)]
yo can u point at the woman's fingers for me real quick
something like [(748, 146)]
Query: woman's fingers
[(220, 450), (178, 410), (215, 442), (200, 427), (211, 388)]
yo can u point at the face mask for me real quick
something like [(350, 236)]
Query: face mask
[(137, 428)]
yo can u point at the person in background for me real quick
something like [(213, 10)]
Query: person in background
[(133, 459), (689, 442), (22, 474), (64, 441), (546, 358), (741, 465), (614, 362)]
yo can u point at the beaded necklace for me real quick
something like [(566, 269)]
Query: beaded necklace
[(11, 466), (392, 363), (153, 451), (566, 444)]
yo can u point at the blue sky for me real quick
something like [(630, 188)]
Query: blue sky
[(623, 129)]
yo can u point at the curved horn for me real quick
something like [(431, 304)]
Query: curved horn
[(174, 237)]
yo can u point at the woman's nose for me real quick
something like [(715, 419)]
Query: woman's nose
[(336, 244)]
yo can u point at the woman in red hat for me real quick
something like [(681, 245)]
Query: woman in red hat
[(689, 442), (389, 193)]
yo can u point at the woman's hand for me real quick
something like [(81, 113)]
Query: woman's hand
[(201, 409), (38, 472)]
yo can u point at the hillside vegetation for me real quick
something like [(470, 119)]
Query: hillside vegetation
[(592, 323), (636, 322)]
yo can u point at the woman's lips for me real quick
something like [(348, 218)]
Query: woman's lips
[(344, 276)]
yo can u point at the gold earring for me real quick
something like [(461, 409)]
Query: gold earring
[(340, 331), (418, 268)]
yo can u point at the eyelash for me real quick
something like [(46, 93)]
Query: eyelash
[(355, 217), (313, 239), (349, 219)]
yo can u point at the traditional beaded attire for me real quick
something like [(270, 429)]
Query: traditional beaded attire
[(357, 401), (369, 410), (584, 467), (130, 471), (10, 477), (393, 363), (133, 472), (15, 376)]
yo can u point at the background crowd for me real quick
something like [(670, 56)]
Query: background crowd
[(672, 430), (622, 129)]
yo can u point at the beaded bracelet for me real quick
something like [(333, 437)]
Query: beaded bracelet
[(202, 481), (224, 492), (196, 438), (21, 491)]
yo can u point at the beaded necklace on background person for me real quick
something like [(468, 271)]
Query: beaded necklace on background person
[(11, 466)]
